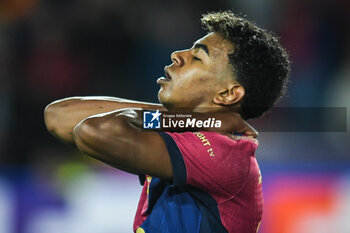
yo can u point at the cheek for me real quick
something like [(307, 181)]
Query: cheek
[(194, 80), (197, 89)]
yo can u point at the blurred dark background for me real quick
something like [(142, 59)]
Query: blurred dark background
[(54, 49)]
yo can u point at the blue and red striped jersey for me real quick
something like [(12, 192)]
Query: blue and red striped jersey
[(216, 187)]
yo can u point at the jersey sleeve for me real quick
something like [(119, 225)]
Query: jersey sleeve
[(209, 161)]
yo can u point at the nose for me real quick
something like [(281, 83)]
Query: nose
[(178, 58)]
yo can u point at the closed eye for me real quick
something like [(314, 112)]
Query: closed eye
[(196, 58)]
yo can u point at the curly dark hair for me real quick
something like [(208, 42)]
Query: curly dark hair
[(260, 63)]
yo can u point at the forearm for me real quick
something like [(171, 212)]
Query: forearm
[(63, 115)]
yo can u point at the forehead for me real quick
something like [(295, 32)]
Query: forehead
[(217, 44)]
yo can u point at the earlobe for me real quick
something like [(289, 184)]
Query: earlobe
[(229, 96)]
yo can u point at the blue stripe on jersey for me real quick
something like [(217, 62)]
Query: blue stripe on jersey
[(185, 209), (211, 221), (177, 161), (175, 211)]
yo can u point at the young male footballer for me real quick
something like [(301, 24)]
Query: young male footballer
[(194, 180)]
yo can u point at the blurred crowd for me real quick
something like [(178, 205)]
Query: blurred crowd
[(59, 48)]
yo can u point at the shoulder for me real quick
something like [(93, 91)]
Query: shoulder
[(218, 153), (215, 163)]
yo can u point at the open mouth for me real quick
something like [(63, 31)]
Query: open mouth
[(167, 75), (165, 79)]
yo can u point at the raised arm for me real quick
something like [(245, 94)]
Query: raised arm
[(63, 115), (117, 139)]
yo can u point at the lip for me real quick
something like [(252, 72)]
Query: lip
[(167, 77)]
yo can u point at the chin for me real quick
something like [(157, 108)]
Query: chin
[(165, 100), (163, 96)]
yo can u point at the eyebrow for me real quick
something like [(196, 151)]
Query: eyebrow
[(203, 47)]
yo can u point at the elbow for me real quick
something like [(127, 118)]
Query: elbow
[(92, 135), (89, 134), (55, 112)]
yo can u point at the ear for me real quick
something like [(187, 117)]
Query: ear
[(229, 96)]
